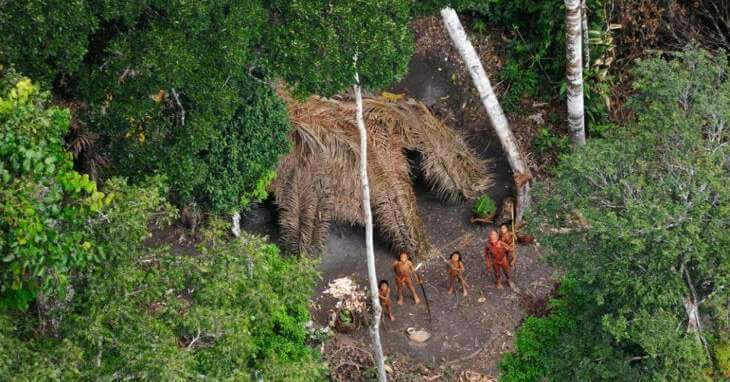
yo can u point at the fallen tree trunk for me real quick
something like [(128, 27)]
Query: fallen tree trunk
[(496, 116)]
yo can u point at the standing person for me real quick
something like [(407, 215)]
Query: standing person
[(403, 269), (456, 272), (495, 254), (508, 238), (384, 296)]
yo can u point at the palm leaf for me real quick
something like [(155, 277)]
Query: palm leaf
[(318, 180)]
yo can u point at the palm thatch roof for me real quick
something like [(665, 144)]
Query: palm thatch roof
[(318, 181)]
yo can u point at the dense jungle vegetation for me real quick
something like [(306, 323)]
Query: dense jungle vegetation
[(118, 119), (646, 239)]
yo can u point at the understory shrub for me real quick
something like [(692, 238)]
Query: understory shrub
[(236, 311), (45, 205), (484, 206), (548, 142)]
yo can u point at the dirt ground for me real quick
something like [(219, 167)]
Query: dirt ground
[(470, 333), (466, 333)]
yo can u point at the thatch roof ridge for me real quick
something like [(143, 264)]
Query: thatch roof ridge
[(324, 162)]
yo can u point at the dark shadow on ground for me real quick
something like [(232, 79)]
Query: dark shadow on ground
[(462, 327)]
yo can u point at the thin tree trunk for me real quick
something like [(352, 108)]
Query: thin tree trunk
[(367, 214), (586, 43), (494, 110), (574, 72), (236, 231), (236, 224)]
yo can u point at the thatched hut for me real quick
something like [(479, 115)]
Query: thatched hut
[(318, 181)]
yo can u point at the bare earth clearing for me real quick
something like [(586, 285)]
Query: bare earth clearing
[(467, 335)]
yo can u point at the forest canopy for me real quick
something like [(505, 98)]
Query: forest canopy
[(125, 124), (644, 242), (184, 89)]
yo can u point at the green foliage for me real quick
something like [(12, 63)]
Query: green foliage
[(122, 225), (174, 97), (722, 358), (484, 206), (597, 94), (648, 206), (312, 43), (237, 310), (536, 58), (234, 165), (44, 203), (548, 142), (183, 89), (522, 83), (479, 26), (171, 87), (204, 316), (46, 39), (345, 316), (429, 7), (541, 339), (42, 360), (259, 191), (565, 345)]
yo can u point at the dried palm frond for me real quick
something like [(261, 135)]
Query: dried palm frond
[(319, 182), (320, 136), (394, 202), (304, 216), (450, 166), (79, 139), (81, 142)]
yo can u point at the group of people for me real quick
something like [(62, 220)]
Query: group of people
[(500, 255)]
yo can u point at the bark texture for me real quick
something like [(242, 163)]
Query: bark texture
[(586, 42), (369, 251), (574, 72), (491, 104)]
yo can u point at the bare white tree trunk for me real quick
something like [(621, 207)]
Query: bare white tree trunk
[(586, 43), (236, 230), (369, 251), (236, 224), (491, 104), (574, 72)]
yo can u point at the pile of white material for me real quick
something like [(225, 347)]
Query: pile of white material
[(350, 296), (342, 287)]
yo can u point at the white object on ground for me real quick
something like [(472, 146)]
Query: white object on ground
[(419, 336)]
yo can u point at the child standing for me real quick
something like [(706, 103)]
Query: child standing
[(456, 272), (384, 295)]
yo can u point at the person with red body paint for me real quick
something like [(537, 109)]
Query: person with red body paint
[(496, 255)]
